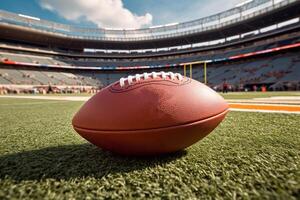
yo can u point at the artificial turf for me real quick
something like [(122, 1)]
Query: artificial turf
[(249, 156)]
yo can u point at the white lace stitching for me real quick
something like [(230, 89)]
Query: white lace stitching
[(145, 76)]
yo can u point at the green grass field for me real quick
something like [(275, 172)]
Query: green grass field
[(249, 156)]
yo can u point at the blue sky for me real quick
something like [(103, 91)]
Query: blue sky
[(118, 13)]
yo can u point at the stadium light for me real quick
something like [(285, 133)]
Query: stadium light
[(29, 17), (172, 24), (158, 26), (113, 29)]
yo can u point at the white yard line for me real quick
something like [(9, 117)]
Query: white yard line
[(264, 111), (279, 98), (267, 104), (295, 102)]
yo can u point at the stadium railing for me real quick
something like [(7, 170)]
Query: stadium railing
[(234, 15)]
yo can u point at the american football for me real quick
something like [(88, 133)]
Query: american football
[(150, 113)]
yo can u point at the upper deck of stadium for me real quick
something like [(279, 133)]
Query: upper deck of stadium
[(244, 18)]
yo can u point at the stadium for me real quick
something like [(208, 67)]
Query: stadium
[(250, 54)]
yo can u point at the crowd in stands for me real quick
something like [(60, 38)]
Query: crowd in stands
[(48, 90), (45, 77), (60, 58), (277, 72), (272, 71)]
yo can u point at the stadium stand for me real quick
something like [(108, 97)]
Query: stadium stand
[(238, 47)]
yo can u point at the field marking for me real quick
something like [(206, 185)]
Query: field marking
[(265, 107), (278, 98), (263, 111), (33, 103), (263, 101), (265, 104)]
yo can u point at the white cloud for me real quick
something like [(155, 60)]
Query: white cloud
[(104, 13)]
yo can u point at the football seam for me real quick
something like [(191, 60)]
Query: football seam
[(153, 129)]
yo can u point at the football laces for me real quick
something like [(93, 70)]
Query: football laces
[(145, 76)]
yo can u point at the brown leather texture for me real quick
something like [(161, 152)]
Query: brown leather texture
[(152, 142), (149, 104)]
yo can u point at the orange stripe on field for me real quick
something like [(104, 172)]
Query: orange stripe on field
[(266, 107)]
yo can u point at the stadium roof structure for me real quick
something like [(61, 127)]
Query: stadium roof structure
[(244, 18)]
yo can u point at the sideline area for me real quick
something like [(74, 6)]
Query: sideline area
[(274, 104), (40, 97)]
